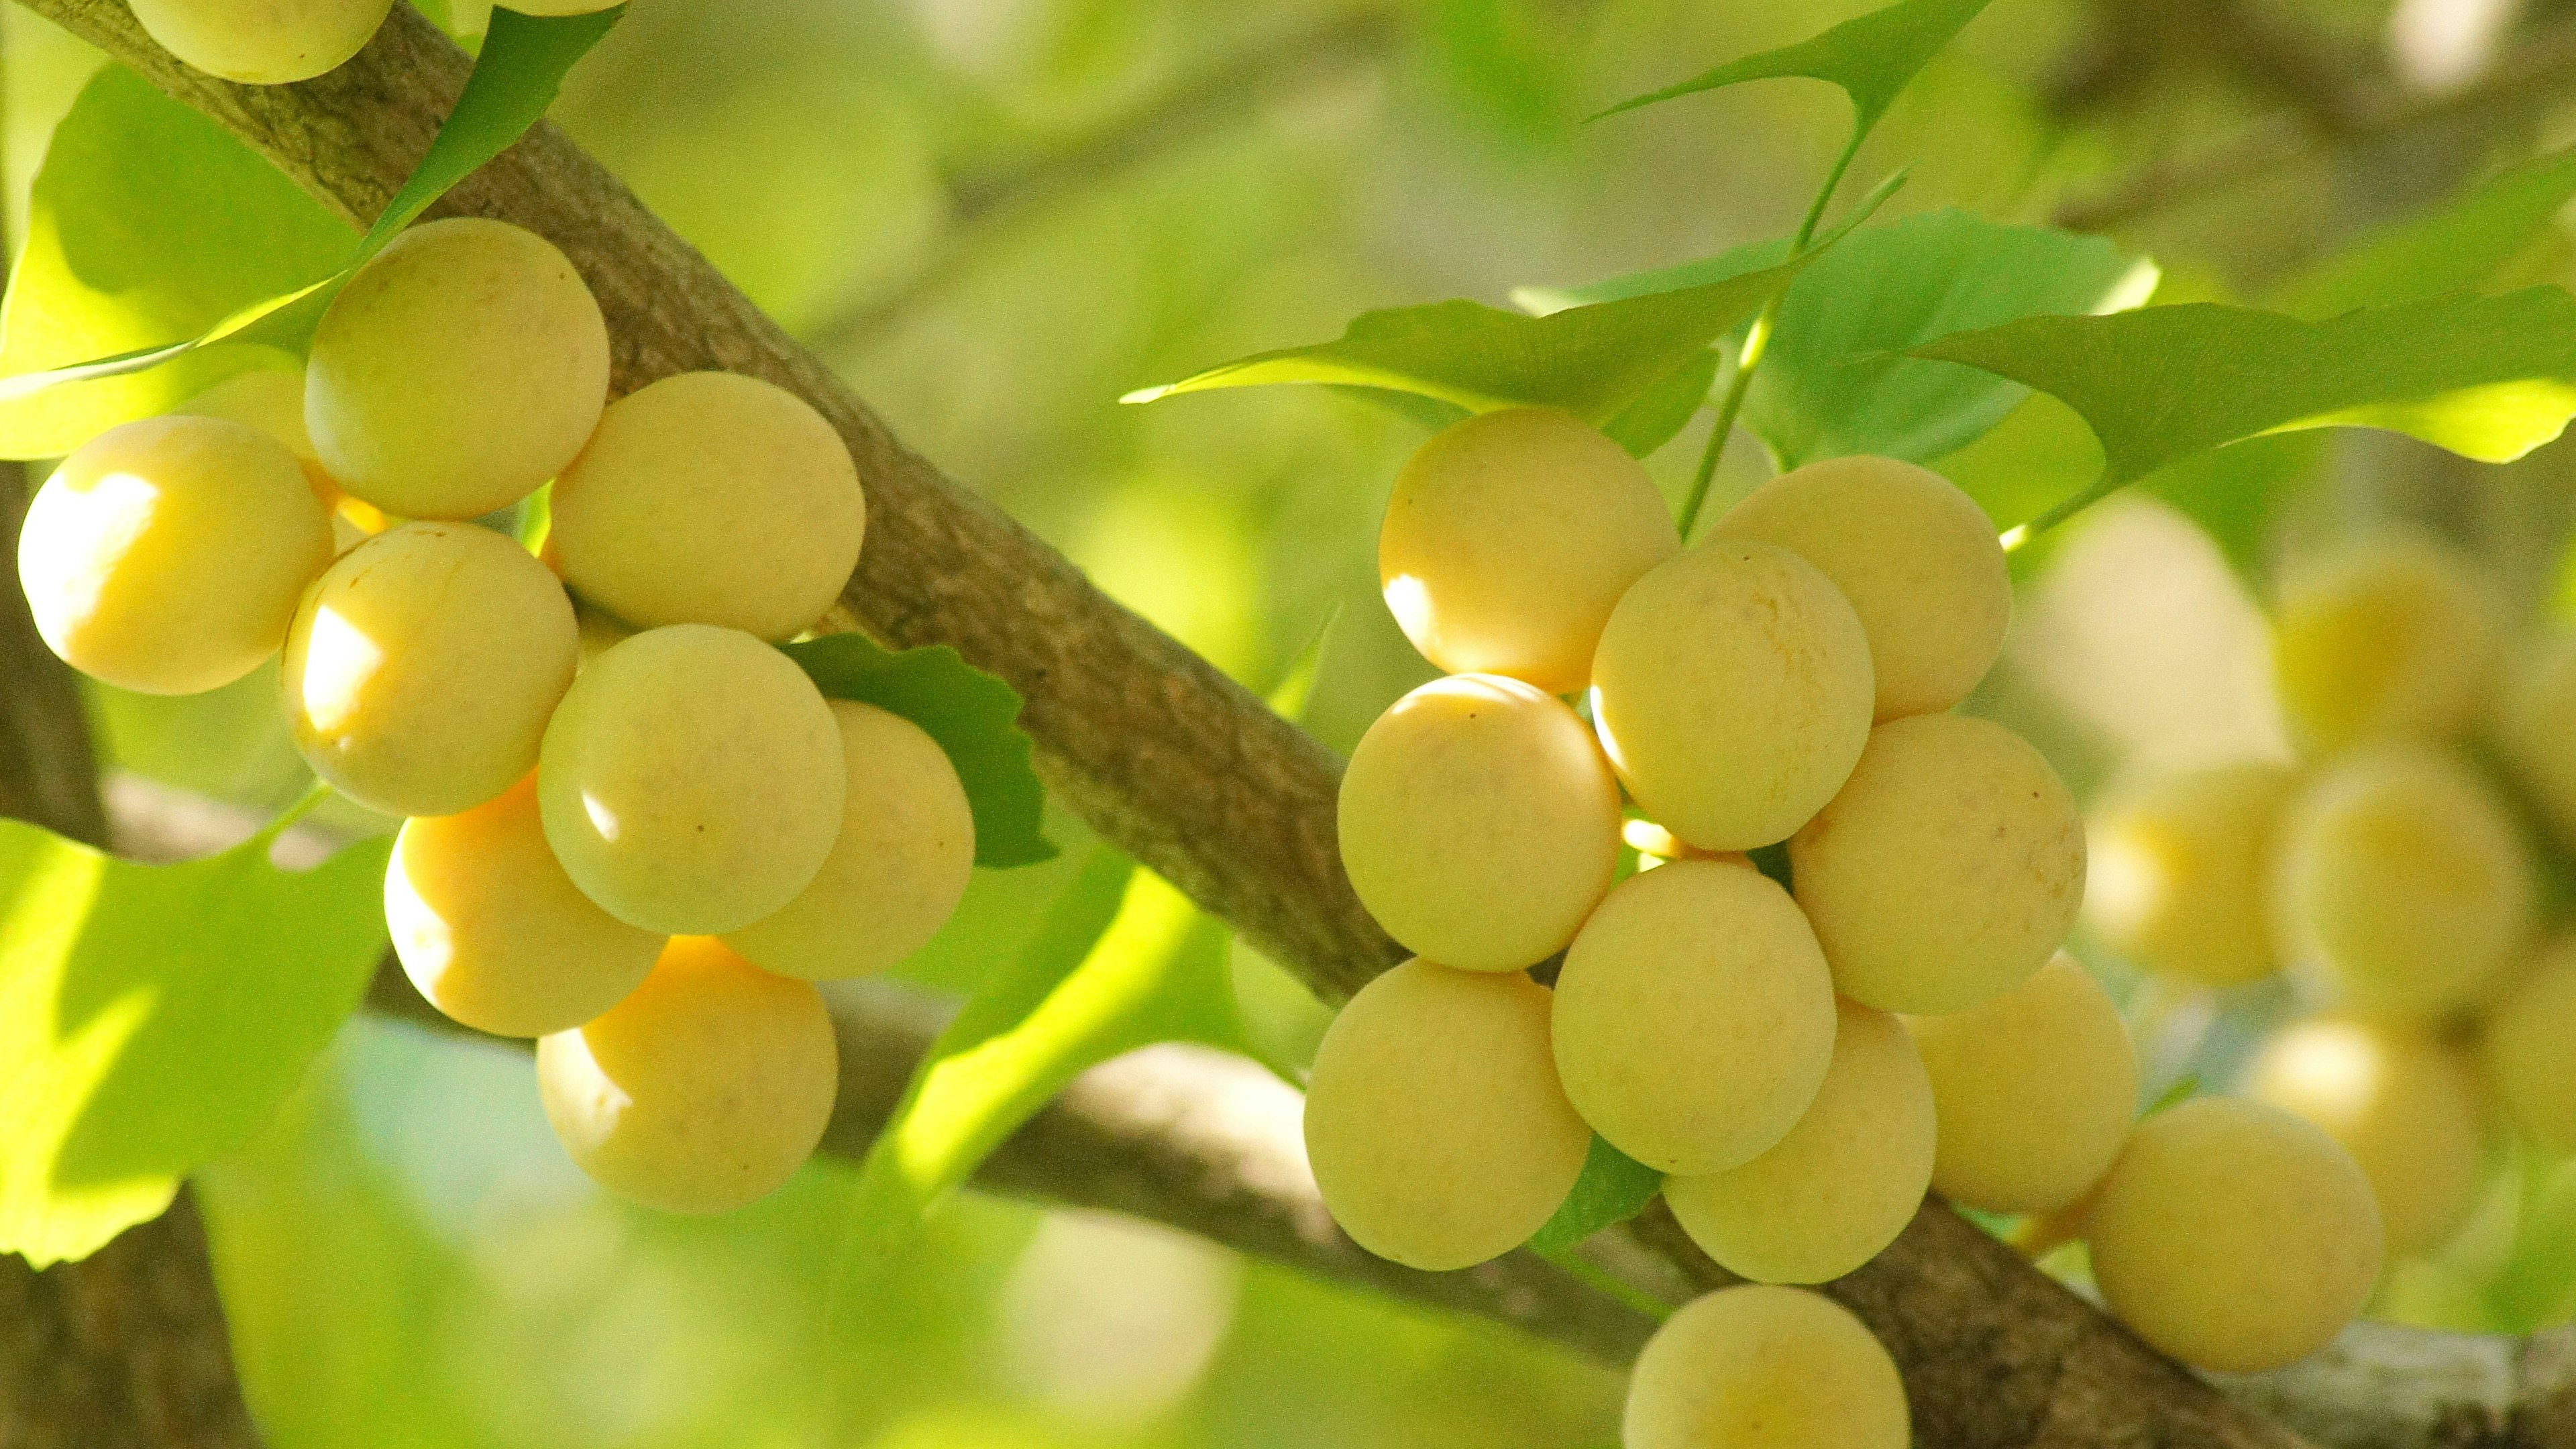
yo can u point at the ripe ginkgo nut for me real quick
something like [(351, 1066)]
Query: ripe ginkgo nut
[(2401, 1101), (167, 555), (1479, 822), (1508, 539), (266, 44), (701, 1092), (2394, 637), (2529, 1050), (1759, 1367), (2179, 866)]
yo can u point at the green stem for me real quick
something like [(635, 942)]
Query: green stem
[(1758, 341), (311, 801), (1608, 1285)]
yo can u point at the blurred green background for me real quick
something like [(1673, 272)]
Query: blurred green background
[(998, 215)]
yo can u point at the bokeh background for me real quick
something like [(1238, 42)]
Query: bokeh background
[(996, 216)]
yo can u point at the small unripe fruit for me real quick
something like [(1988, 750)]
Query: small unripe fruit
[(1508, 539), (692, 780), (1694, 1017), (2392, 638), (2402, 1103), (492, 931), (1733, 693), (464, 365), (2034, 1091), (2403, 878), (703, 1091), (2234, 1236), (262, 42), (167, 555), (424, 665), (1917, 558), (1946, 871), (2530, 1050), (1845, 1181), (1437, 1131), (896, 872), (1765, 1368), (711, 498), (2179, 870), (1479, 823)]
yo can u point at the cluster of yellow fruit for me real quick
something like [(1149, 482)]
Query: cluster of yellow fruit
[(597, 794), (1803, 1062), (278, 41), (2391, 871)]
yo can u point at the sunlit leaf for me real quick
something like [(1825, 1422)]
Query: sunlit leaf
[(1614, 1187), (152, 1016), (2453, 247), (973, 715), (1873, 57)]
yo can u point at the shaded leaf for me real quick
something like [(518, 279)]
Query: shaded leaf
[(1666, 408), (1614, 1187), (973, 715), (151, 1017), (1873, 57), (2453, 247)]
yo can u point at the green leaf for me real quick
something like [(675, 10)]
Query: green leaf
[(2452, 248), (147, 221), (1123, 960), (152, 1016), (156, 225), (2487, 378), (1872, 57), (1666, 408), (974, 717), (1614, 1187)]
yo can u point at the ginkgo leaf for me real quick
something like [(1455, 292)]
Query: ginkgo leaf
[(1873, 57)]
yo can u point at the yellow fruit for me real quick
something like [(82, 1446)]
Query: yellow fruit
[(1845, 1181), (271, 400), (2179, 865), (711, 498), (423, 666), (692, 780), (2402, 877), (2034, 1090), (703, 1091), (166, 555), (1694, 1017), (494, 933), (2394, 637), (460, 368), (2234, 1236), (562, 7), (1916, 557), (898, 869), (2402, 1103), (1733, 693), (1765, 1368), (2533, 728), (1437, 1130), (1946, 871), (1508, 539), (2530, 1050), (1479, 823), (262, 42)]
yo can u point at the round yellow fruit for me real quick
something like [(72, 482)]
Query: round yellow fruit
[(271, 400), (422, 668), (2530, 1050), (1733, 693), (1437, 1131), (1917, 558), (2234, 1236), (1479, 823), (2391, 638), (703, 1091), (2401, 1102), (166, 556), (1845, 1181), (2179, 870), (896, 873), (2402, 878), (2539, 701), (492, 931), (692, 780), (1508, 539), (1765, 1368), (262, 42), (711, 498), (1694, 1017), (1946, 871), (464, 365), (2034, 1091)]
